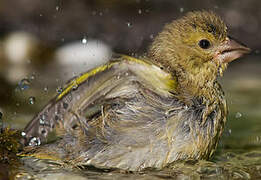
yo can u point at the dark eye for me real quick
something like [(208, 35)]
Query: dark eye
[(204, 44)]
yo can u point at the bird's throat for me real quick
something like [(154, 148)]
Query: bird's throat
[(197, 83)]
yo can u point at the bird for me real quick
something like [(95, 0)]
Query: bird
[(137, 113)]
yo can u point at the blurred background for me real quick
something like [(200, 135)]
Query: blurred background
[(43, 44)]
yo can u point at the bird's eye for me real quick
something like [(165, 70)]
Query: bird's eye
[(204, 44)]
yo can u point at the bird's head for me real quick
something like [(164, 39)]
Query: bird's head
[(196, 48)]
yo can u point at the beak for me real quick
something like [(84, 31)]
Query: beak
[(231, 50)]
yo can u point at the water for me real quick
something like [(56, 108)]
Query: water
[(129, 24), (24, 84), (31, 100), (84, 40)]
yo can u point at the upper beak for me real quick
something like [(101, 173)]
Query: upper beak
[(231, 50)]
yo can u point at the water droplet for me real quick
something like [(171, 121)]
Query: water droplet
[(41, 122), (57, 8), (238, 115), (84, 40), (42, 119), (45, 89), (139, 11), (24, 84), (129, 24), (40, 15), (23, 133), (59, 90), (31, 100), (229, 131), (35, 141), (181, 10), (257, 51), (32, 77)]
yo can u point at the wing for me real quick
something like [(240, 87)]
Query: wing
[(114, 109), (90, 93)]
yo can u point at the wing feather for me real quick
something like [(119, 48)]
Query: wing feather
[(107, 86), (119, 111)]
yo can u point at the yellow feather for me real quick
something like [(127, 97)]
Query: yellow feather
[(149, 71), (76, 82)]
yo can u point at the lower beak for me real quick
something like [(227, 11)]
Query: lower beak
[(231, 50)]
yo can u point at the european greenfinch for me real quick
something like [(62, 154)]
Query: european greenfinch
[(142, 113)]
